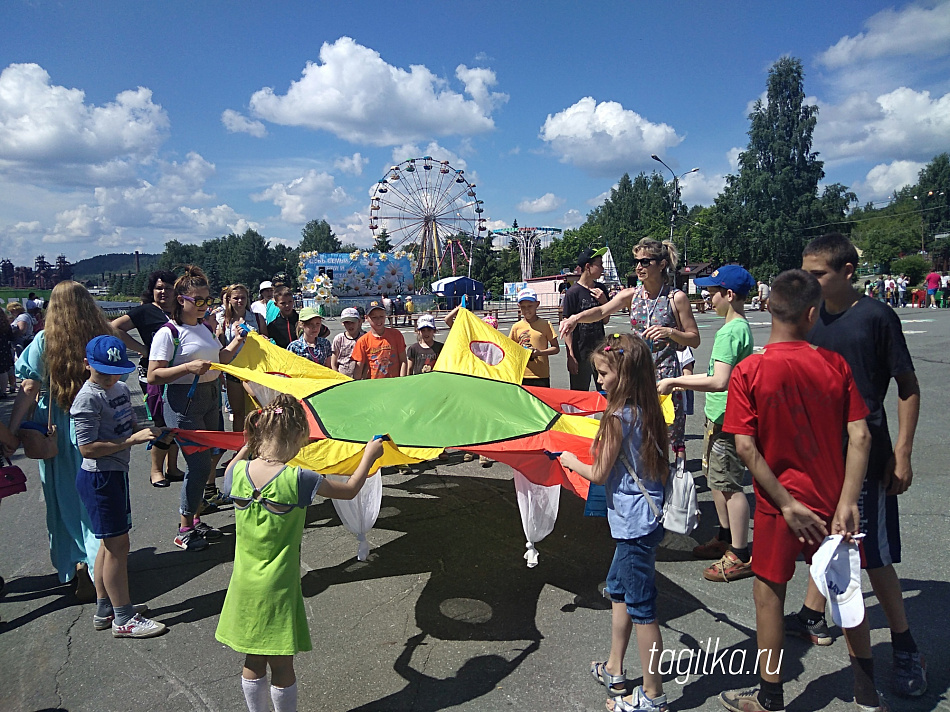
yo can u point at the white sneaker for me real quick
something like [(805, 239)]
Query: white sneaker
[(138, 627)]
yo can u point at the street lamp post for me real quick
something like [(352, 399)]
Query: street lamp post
[(676, 195)]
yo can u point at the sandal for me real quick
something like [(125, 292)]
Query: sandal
[(638, 702), (599, 672)]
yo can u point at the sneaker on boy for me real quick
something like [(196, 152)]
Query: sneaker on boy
[(728, 568), (105, 622), (138, 627), (190, 540), (816, 633), (207, 531)]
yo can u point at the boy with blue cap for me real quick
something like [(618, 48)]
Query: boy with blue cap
[(728, 287), (105, 428)]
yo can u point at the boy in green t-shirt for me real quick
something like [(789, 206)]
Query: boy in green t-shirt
[(728, 287)]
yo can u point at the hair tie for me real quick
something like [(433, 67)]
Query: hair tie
[(278, 410)]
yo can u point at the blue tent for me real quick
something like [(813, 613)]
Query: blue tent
[(454, 288)]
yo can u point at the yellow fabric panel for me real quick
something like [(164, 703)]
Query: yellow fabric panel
[(669, 413), (587, 427), (260, 359), (577, 425), (469, 332), (335, 457)]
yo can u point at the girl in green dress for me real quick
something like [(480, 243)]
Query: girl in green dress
[(263, 614)]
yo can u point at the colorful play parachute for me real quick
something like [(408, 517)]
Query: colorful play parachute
[(472, 401)]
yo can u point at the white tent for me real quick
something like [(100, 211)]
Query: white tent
[(610, 269)]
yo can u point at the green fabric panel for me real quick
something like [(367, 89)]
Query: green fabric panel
[(434, 409)]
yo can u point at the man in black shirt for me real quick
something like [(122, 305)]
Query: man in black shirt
[(868, 334), (586, 294)]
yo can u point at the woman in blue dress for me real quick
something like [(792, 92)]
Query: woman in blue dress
[(52, 371)]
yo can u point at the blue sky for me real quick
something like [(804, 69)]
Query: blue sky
[(123, 125)]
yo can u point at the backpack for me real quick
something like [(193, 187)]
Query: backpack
[(680, 513)]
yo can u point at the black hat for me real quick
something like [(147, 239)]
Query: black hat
[(589, 254)]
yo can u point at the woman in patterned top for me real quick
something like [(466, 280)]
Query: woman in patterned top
[(660, 313)]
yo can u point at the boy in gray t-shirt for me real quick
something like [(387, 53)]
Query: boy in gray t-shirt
[(105, 433)]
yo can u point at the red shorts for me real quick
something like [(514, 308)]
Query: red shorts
[(775, 548)]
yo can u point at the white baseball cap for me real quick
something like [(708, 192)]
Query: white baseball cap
[(350, 314), (836, 570), (267, 284), (426, 321), (527, 295)]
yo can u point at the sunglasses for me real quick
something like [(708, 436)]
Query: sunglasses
[(645, 261), (207, 302)]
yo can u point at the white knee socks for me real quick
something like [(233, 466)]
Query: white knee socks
[(284, 698), (255, 694)]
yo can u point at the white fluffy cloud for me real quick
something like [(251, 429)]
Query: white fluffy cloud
[(356, 95), (699, 189), (47, 129), (176, 203), (351, 165), (903, 122), (915, 30), (304, 198), (353, 228), (547, 203), (235, 122), (605, 138), (571, 219), (885, 178)]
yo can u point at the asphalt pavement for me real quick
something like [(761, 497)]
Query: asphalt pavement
[(445, 614)]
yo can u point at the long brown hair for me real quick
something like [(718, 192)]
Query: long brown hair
[(629, 356), (193, 278), (229, 314), (72, 321), (282, 424)]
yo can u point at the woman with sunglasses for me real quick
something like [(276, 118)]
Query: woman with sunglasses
[(179, 355), (158, 303), (661, 314)]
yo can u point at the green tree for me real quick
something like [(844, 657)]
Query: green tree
[(382, 243), (318, 237), (764, 212), (913, 266)]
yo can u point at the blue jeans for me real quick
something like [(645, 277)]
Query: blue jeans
[(632, 575), (204, 414)]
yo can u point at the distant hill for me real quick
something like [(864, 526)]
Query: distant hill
[(93, 267)]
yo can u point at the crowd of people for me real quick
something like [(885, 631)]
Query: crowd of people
[(805, 416)]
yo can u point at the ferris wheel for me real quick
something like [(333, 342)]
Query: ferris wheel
[(429, 208)]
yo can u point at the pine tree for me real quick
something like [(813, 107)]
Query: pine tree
[(764, 212)]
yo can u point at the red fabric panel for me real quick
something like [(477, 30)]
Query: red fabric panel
[(527, 457), (583, 402)]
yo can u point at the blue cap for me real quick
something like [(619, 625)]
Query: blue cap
[(107, 354), (731, 277), (527, 295)]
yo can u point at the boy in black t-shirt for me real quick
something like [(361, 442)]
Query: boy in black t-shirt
[(586, 294), (421, 356), (868, 334), (283, 329)]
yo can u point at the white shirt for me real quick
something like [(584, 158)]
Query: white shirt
[(259, 308), (197, 344), (944, 281)]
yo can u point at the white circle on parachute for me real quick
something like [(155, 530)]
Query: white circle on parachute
[(488, 352)]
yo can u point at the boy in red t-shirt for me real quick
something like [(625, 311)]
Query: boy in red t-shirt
[(380, 352), (789, 409)]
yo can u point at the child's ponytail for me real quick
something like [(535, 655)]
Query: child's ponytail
[(629, 356), (282, 424)]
